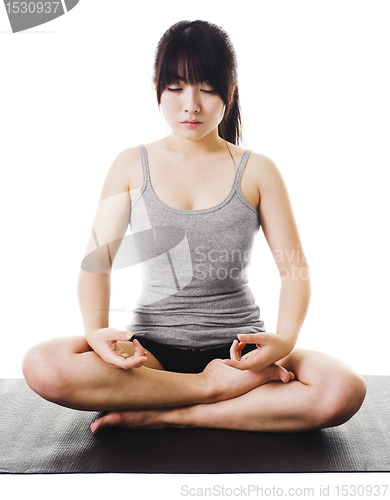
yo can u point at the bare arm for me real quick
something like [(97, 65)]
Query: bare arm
[(281, 233), (94, 284), (93, 291)]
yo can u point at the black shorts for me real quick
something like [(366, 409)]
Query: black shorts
[(187, 359)]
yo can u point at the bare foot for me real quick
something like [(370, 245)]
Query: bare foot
[(277, 372), (228, 382), (162, 417), (130, 419)]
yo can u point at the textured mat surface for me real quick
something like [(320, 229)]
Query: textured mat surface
[(40, 437)]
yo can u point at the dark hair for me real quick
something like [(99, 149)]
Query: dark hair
[(199, 51)]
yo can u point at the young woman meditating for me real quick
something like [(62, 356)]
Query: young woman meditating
[(196, 352)]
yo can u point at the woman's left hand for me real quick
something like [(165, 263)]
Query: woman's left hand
[(271, 348)]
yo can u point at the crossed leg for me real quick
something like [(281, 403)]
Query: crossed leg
[(68, 372), (325, 393)]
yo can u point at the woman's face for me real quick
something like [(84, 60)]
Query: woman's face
[(192, 111)]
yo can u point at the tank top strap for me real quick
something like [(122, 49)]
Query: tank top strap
[(145, 167), (241, 167), (144, 161)]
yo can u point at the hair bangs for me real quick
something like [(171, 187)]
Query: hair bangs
[(190, 59)]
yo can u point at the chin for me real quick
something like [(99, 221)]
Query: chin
[(192, 135)]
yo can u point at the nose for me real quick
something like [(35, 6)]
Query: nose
[(191, 102)]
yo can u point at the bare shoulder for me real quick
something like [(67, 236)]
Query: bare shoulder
[(124, 172), (257, 162), (265, 173), (263, 164)]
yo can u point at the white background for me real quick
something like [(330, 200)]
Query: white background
[(313, 79)]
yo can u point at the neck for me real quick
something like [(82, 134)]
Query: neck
[(209, 144)]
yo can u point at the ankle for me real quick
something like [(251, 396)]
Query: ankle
[(176, 417)]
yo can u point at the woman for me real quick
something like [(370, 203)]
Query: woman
[(199, 354)]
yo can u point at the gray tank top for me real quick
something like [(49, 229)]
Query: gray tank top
[(194, 290)]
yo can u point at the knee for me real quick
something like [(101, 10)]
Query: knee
[(42, 373), (342, 399)]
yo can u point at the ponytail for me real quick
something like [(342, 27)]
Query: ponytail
[(230, 127)]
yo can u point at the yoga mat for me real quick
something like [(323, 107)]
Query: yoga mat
[(39, 437)]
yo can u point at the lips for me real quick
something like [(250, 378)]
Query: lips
[(191, 124)]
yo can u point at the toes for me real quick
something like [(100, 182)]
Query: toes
[(284, 376), (109, 420), (95, 426)]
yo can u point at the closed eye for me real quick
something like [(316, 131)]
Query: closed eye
[(202, 90)]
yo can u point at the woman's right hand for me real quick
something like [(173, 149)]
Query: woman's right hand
[(104, 343)]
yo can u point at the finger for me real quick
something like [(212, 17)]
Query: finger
[(235, 364), (252, 338), (241, 345), (117, 360), (247, 363), (134, 362), (138, 349), (112, 334), (114, 359), (123, 335), (235, 353)]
